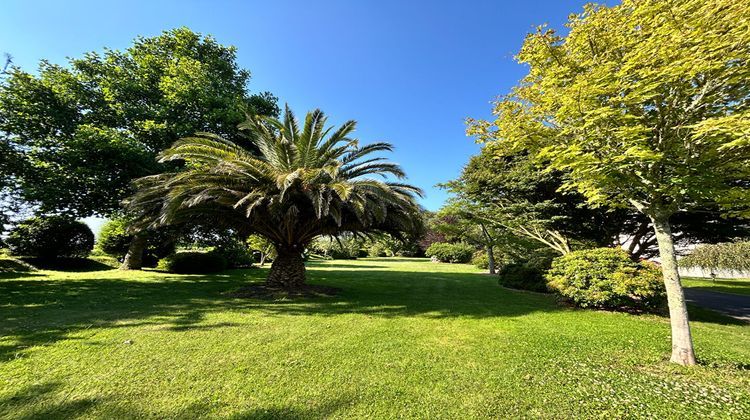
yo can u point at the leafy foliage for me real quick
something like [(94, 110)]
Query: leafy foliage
[(85, 130), (516, 195), (220, 240), (642, 103), (733, 256), (608, 278), (114, 239), (344, 247), (193, 262), (451, 252), (50, 237)]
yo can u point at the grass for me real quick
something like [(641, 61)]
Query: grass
[(404, 338), (735, 286)]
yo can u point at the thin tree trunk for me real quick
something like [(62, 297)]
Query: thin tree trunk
[(682, 341), (490, 259), (488, 248), (287, 270), (134, 257)]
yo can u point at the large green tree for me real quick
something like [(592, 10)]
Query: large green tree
[(86, 130), (645, 104), (303, 183), (516, 194)]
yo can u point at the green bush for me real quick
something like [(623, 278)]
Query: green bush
[(524, 276), (481, 260), (606, 278), (50, 237), (113, 240), (236, 252), (193, 262), (345, 248), (377, 249), (451, 253)]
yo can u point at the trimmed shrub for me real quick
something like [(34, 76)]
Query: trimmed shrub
[(524, 276), (451, 253), (606, 278), (50, 237), (193, 262)]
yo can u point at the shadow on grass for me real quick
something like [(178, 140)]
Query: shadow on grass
[(38, 311), (75, 265), (14, 405), (701, 314), (49, 400)]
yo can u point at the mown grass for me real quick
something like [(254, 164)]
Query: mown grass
[(404, 338), (735, 286)]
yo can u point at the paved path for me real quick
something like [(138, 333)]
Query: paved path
[(736, 306)]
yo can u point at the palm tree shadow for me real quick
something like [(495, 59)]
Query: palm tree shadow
[(58, 309)]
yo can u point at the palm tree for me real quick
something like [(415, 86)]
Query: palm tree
[(301, 184)]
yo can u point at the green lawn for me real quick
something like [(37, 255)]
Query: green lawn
[(405, 338), (736, 286)]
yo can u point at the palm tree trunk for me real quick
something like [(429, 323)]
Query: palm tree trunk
[(682, 341), (287, 270), (134, 257)]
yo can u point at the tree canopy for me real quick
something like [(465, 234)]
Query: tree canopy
[(645, 104), (87, 129)]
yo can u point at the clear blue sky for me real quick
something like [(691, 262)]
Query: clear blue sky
[(410, 72)]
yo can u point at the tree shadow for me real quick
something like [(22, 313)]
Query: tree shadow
[(38, 311), (14, 406), (324, 410), (341, 265), (701, 314), (74, 265)]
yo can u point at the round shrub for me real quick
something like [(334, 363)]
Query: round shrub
[(450, 253), (193, 262), (50, 237), (606, 278), (524, 276), (113, 239)]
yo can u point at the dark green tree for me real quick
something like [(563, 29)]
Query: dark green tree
[(89, 128)]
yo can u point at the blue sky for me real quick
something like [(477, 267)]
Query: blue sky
[(408, 72)]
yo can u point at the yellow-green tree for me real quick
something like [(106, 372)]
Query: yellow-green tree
[(645, 104)]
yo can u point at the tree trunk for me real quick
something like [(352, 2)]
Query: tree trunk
[(134, 258), (488, 248), (490, 259), (287, 270), (682, 341)]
